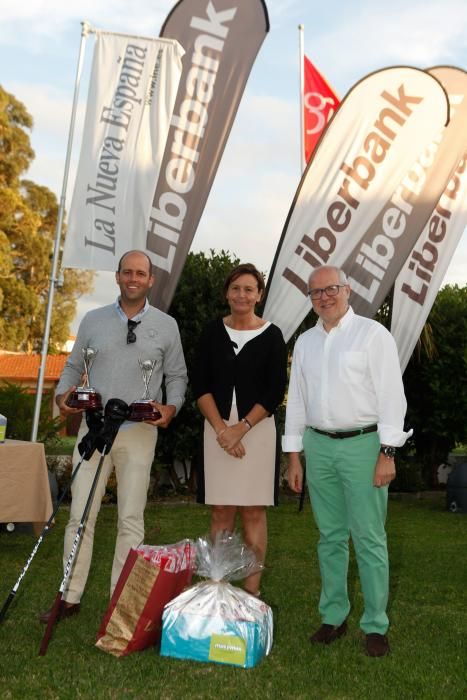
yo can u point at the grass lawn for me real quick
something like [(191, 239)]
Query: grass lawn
[(428, 612)]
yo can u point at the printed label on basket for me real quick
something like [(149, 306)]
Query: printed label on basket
[(227, 649)]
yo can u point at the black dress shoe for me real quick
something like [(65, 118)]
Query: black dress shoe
[(329, 633), (376, 644), (65, 610)]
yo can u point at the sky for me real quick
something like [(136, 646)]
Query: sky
[(260, 169)]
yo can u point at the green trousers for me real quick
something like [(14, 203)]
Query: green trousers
[(345, 503)]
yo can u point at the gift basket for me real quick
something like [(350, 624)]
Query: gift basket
[(214, 620), (150, 578)]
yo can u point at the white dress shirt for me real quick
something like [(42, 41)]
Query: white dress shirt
[(345, 379)]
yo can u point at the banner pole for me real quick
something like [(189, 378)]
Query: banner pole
[(85, 30), (301, 58)]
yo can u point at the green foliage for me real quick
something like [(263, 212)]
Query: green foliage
[(18, 406), (63, 445), (197, 301), (409, 477), (28, 217), (383, 315), (436, 382), (15, 146)]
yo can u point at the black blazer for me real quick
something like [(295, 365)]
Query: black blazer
[(258, 372)]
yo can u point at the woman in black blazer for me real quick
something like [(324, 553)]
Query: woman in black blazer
[(239, 380)]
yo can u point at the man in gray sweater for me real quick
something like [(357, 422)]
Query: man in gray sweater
[(122, 333)]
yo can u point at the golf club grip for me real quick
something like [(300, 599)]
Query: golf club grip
[(6, 605)]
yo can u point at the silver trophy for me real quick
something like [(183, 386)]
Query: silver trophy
[(85, 396), (143, 409)]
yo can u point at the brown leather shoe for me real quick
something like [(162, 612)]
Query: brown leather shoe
[(65, 610), (329, 633), (376, 644)]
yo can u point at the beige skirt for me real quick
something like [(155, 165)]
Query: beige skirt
[(249, 481)]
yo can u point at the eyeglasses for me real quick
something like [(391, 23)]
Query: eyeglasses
[(131, 336), (331, 291)]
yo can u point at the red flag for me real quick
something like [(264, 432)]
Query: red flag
[(319, 104)]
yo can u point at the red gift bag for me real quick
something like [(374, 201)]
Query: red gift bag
[(150, 578)]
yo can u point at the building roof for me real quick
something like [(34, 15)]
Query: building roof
[(20, 366)]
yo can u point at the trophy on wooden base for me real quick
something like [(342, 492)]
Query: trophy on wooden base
[(85, 396), (143, 409)]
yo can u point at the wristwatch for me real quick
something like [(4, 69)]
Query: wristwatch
[(388, 451)]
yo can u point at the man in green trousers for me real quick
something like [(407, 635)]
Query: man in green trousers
[(345, 410)]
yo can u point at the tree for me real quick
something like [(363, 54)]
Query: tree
[(436, 382), (17, 404), (28, 216), (15, 147)]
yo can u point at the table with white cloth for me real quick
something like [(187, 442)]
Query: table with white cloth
[(24, 484)]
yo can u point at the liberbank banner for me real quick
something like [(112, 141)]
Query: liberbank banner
[(132, 91), (419, 280), (221, 39), (385, 246), (380, 129)]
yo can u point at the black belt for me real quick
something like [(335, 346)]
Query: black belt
[(347, 433)]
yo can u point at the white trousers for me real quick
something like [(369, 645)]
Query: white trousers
[(132, 454)]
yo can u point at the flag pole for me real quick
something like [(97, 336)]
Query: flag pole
[(301, 58), (85, 30)]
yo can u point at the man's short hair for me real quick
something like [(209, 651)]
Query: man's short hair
[(341, 274), (129, 252)]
